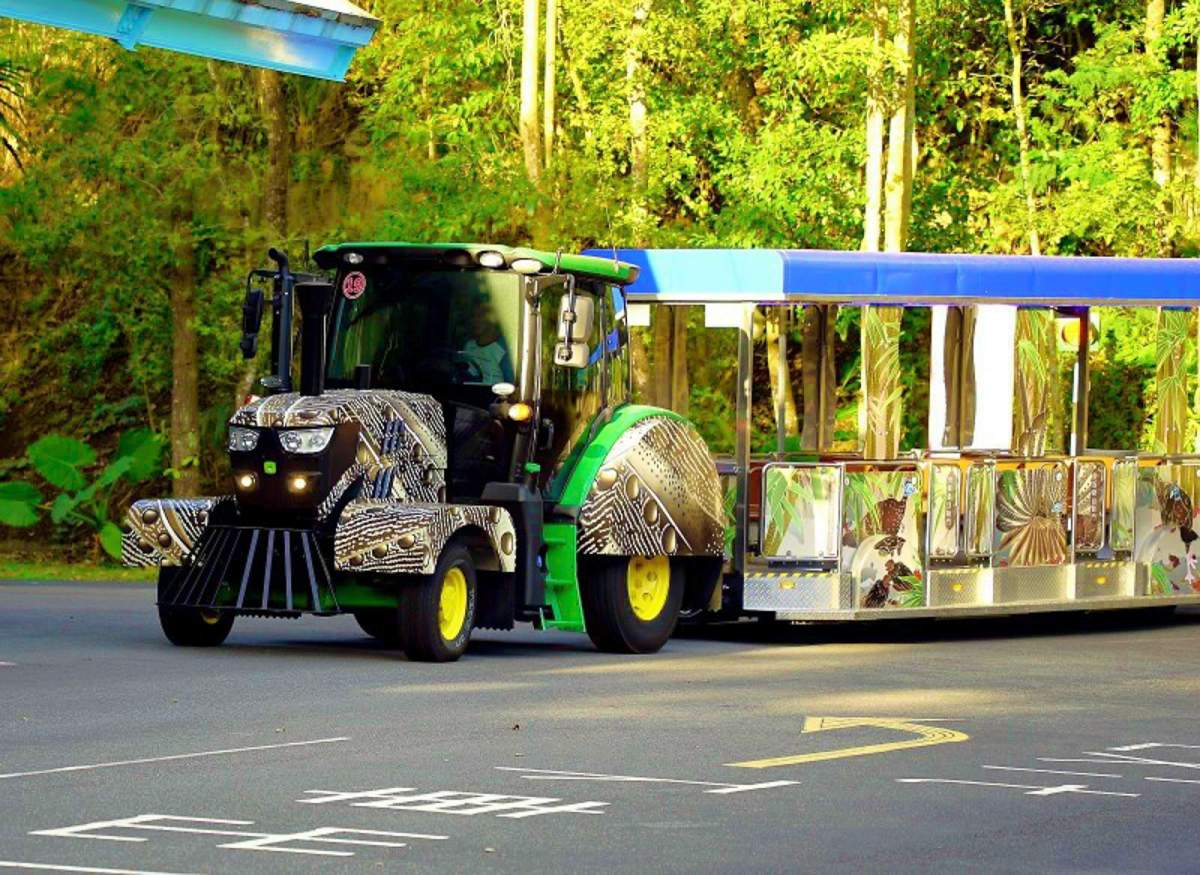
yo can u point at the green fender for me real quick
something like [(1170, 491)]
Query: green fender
[(645, 485)]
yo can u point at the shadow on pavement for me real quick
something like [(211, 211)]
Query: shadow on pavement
[(915, 630)]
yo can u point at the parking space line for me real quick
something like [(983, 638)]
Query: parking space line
[(1054, 771), (62, 867), (1175, 780), (178, 756), (724, 787)]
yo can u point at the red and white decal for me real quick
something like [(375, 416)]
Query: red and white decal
[(354, 285)]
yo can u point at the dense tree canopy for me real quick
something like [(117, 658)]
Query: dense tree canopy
[(127, 177)]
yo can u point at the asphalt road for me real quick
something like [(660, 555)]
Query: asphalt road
[(299, 742)]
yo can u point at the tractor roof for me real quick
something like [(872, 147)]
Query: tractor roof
[(589, 266)]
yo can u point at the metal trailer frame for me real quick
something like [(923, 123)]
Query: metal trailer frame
[(1113, 566)]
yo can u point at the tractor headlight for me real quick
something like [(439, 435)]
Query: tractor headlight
[(306, 440), (242, 440)]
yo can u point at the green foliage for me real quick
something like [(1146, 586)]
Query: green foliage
[(142, 171), (62, 463)]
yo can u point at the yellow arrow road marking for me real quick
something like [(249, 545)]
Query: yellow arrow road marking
[(928, 736)]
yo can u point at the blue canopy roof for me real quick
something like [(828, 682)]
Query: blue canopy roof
[(730, 275), (310, 37)]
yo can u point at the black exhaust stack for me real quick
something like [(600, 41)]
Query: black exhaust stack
[(316, 302)]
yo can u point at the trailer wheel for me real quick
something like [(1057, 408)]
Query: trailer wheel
[(436, 614), (631, 605), (191, 627), (382, 624)]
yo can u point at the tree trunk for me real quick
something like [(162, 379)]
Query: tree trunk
[(277, 120), (1160, 146), (679, 360), (781, 390), (275, 116), (898, 188), (662, 320), (548, 92), (810, 376), (185, 375), (1015, 41), (639, 363), (529, 84), (872, 214), (638, 150), (1172, 340), (881, 389)]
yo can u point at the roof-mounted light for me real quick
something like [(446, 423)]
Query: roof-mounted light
[(353, 258), (491, 259), (527, 265)]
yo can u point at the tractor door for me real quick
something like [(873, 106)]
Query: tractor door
[(571, 398)]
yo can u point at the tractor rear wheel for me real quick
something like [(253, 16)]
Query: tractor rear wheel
[(630, 604), (436, 614)]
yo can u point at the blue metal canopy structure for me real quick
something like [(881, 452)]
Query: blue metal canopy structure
[(311, 37), (799, 275)]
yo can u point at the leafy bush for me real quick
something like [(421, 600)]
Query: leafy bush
[(63, 463)]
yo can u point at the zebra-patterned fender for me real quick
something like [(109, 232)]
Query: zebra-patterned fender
[(163, 531), (407, 538), (657, 493)]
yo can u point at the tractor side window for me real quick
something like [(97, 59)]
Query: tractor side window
[(571, 397), (616, 343)]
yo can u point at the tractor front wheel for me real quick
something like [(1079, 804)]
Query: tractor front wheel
[(190, 627), (436, 614), (631, 605)]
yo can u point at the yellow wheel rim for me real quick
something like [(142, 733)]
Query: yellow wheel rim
[(211, 618), (648, 579), (452, 604)]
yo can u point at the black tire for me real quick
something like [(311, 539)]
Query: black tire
[(424, 628), (608, 610), (382, 624), (190, 627)]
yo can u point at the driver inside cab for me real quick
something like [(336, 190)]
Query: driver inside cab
[(486, 352)]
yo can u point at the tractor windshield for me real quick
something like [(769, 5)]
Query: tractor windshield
[(426, 330)]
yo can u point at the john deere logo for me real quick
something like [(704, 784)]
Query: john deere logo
[(269, 468)]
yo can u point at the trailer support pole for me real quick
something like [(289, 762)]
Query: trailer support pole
[(742, 445), (1079, 439)]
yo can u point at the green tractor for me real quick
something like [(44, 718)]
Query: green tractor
[(462, 453)]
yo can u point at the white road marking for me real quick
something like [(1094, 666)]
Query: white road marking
[(1117, 759), (1054, 772), (1175, 780), (556, 775), (58, 867), (1031, 789), (454, 802), (246, 841), (1149, 744), (178, 756), (8, 665)]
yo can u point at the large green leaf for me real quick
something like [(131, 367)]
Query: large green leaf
[(143, 448), (19, 504), (63, 504), (61, 460), (110, 540)]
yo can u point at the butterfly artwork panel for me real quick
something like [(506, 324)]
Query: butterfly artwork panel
[(1165, 537), (882, 550)]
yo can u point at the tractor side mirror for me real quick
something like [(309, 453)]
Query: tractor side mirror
[(576, 315), (252, 314)]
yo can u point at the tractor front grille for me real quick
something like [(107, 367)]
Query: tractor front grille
[(254, 570)]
